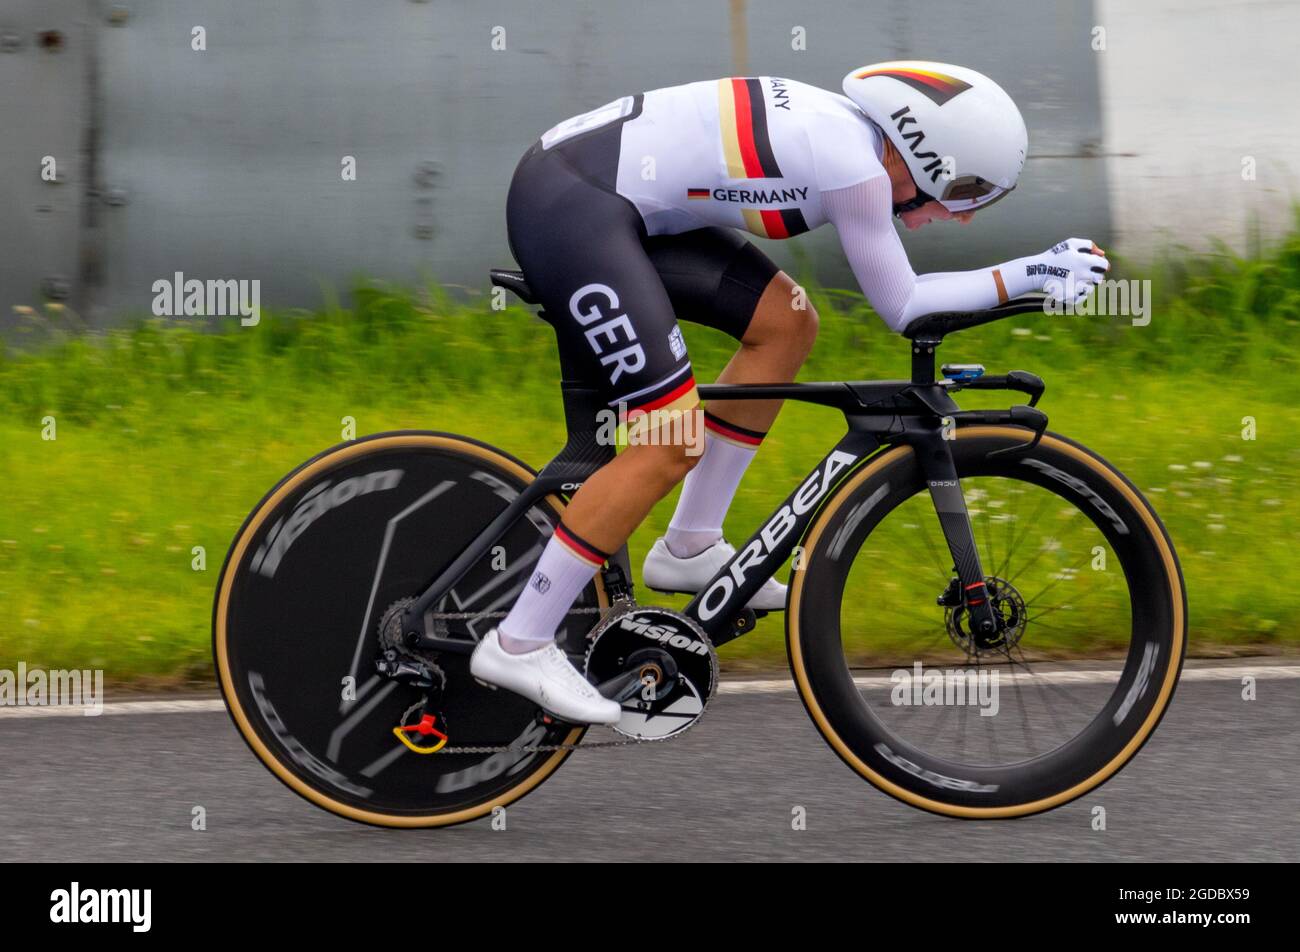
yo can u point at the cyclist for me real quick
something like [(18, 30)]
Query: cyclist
[(625, 219)]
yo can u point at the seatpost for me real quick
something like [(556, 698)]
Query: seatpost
[(923, 358)]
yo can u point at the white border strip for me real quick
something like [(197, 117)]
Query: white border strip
[(756, 686), (1224, 673)]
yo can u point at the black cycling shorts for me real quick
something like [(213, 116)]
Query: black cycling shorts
[(614, 294)]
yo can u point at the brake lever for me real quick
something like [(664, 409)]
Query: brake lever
[(1019, 415)]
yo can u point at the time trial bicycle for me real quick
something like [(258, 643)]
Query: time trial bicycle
[(985, 619)]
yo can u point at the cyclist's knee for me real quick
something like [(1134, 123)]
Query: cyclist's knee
[(784, 317), (669, 454), (678, 463), (803, 326)]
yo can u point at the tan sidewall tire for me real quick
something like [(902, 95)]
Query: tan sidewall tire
[(1170, 679), (310, 470)]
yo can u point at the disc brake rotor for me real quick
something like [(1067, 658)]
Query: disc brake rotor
[(1009, 609)]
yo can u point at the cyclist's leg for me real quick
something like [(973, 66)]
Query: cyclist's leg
[(716, 277), (580, 244)]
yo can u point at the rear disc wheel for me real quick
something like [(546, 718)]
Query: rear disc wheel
[(296, 629)]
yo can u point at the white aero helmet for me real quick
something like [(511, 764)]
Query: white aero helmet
[(933, 112)]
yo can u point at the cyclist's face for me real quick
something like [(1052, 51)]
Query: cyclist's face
[(932, 211), (904, 190)]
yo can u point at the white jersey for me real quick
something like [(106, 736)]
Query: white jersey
[(750, 153)]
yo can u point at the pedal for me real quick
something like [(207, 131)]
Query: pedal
[(546, 719)]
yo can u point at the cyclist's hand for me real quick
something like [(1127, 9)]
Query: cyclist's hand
[(1073, 268)]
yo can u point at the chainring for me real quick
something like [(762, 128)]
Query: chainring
[(662, 669)]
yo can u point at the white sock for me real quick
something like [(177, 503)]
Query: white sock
[(709, 488), (566, 566)]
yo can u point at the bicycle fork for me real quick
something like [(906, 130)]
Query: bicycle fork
[(940, 474)]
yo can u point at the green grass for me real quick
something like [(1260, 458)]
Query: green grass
[(167, 435)]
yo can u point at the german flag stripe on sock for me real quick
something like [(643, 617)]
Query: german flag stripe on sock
[(731, 432), (774, 222), (579, 547), (742, 117)]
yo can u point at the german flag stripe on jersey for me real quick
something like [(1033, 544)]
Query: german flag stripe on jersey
[(579, 547), (939, 87), (731, 432), (742, 117), (775, 222), (697, 193)]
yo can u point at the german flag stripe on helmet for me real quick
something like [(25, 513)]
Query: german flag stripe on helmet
[(939, 87), (742, 117)]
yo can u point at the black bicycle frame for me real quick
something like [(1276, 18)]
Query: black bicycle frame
[(911, 413)]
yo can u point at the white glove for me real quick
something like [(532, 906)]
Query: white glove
[(1067, 271)]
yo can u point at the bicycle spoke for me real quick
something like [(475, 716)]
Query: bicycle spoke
[(1060, 577), (1042, 687), (1014, 544), (938, 721), (993, 741), (1030, 747), (939, 564)]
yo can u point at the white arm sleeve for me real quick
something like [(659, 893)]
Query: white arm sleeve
[(863, 216)]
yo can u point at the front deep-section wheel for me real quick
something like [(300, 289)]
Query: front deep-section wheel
[(306, 663), (1092, 627)]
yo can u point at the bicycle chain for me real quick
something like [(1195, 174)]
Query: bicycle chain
[(544, 748), (461, 616)]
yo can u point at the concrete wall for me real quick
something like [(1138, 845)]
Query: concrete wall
[(225, 163), (1191, 90)]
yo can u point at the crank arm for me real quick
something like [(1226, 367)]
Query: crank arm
[(620, 687)]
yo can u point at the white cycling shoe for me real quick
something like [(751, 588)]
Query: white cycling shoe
[(545, 677), (665, 572)]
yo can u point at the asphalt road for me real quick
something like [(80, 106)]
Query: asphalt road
[(1218, 782)]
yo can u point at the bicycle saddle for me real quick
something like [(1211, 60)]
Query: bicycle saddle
[(514, 282)]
